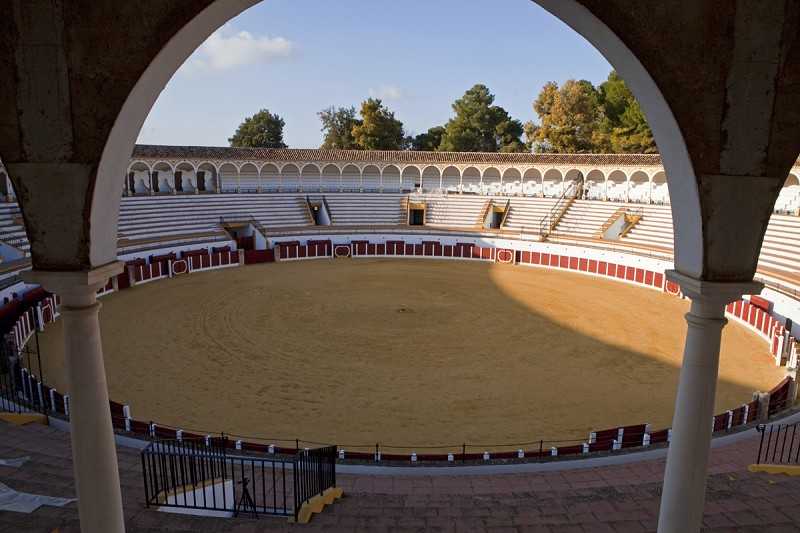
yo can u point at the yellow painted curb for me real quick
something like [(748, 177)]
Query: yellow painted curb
[(789, 470), (20, 419), (317, 504)]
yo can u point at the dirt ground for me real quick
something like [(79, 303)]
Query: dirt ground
[(403, 352)]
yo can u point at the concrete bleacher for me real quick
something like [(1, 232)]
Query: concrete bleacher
[(527, 213), (654, 229), (365, 209), (148, 217), (455, 210), (584, 218), (12, 231)]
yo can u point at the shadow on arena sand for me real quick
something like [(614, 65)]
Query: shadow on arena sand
[(412, 353)]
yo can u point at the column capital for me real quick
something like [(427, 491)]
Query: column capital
[(76, 287), (713, 292)]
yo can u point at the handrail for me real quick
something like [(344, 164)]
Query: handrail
[(548, 222)]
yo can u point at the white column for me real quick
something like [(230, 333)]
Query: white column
[(94, 452), (683, 495)]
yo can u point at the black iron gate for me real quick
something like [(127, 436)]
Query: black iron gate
[(208, 476)]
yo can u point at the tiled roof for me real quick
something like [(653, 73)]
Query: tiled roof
[(145, 151)]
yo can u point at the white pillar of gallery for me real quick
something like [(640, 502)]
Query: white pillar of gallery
[(683, 495), (93, 450)]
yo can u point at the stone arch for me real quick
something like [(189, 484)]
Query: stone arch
[(310, 178), (121, 139), (290, 178), (390, 179), (331, 178), (138, 178), (371, 178), (595, 185), (270, 177), (451, 179), (431, 178), (249, 178), (471, 180), (532, 182), (207, 178), (185, 177), (228, 177), (552, 183), (512, 181), (789, 197), (617, 186), (659, 192), (162, 177), (639, 187), (351, 178), (573, 175), (491, 181), (412, 178)]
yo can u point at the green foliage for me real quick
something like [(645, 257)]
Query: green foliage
[(571, 117), (428, 141), (378, 129), (338, 124), (480, 126), (578, 117), (262, 130)]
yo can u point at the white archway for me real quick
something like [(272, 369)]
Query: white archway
[(228, 177), (139, 178), (639, 188), (162, 178), (595, 185), (412, 178), (185, 177), (512, 181), (471, 180), (249, 178), (290, 178), (451, 179), (431, 178), (331, 178), (390, 179), (310, 178), (270, 178), (552, 183), (532, 182), (490, 181), (207, 178), (351, 178), (371, 178)]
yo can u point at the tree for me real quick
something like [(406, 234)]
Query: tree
[(479, 126), (262, 130), (338, 124), (626, 126), (571, 118), (378, 129), (428, 141)]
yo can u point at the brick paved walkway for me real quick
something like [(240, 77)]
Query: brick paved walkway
[(613, 498)]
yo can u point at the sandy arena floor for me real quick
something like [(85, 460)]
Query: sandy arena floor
[(405, 352)]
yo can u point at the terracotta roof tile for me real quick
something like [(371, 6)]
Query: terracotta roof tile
[(387, 156)]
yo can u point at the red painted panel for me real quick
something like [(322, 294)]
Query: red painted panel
[(621, 271), (760, 302), (593, 266), (380, 249), (639, 275), (486, 253), (526, 257), (648, 277), (611, 269), (563, 261), (448, 250), (545, 259), (602, 268), (658, 279), (573, 263), (301, 252), (419, 249), (536, 258), (630, 273), (738, 308), (583, 265)]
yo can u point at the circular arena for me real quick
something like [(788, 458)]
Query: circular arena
[(414, 354)]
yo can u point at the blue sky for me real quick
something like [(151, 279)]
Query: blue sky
[(296, 57)]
